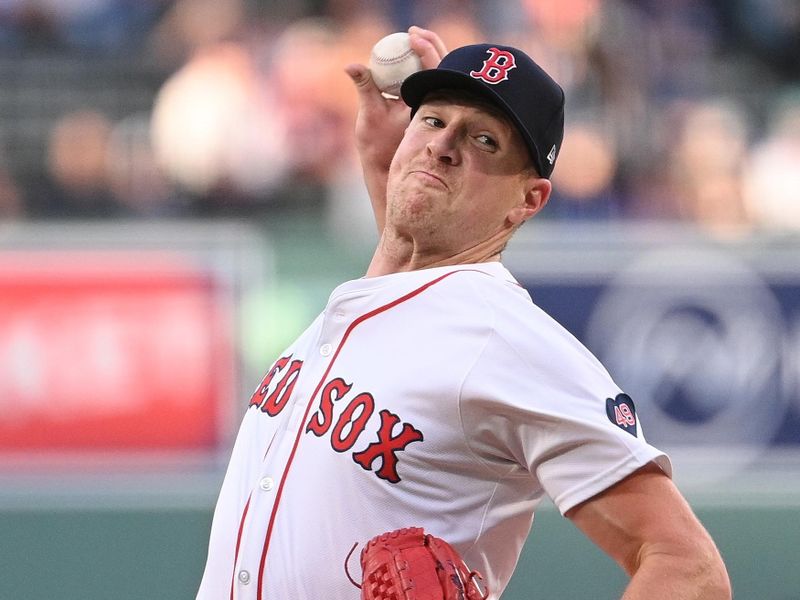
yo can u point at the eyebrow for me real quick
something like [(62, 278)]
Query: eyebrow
[(469, 99)]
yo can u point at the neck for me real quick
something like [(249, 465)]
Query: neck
[(397, 253)]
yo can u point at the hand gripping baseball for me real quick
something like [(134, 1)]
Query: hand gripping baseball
[(408, 564)]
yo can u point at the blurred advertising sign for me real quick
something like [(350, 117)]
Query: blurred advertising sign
[(110, 351), (119, 346), (703, 334)]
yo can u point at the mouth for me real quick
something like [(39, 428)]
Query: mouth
[(429, 178)]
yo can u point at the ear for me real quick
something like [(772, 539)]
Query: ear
[(536, 194)]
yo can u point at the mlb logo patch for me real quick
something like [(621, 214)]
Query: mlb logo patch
[(622, 413)]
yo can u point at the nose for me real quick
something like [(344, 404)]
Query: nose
[(443, 146)]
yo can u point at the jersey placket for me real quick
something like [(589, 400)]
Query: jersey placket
[(261, 523)]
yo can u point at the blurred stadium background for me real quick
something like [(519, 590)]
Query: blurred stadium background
[(179, 193)]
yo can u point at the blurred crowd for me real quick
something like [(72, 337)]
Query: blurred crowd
[(679, 110)]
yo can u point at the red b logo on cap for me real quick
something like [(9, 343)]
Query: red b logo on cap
[(496, 67)]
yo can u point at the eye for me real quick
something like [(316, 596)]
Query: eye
[(434, 122), (487, 140)]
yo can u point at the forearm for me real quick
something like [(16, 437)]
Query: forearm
[(376, 174), (689, 576), (648, 528)]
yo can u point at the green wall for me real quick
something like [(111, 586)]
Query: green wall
[(159, 555)]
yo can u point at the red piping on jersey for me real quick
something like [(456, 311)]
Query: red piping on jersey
[(347, 333), (239, 541)]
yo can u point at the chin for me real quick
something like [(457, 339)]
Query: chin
[(414, 207)]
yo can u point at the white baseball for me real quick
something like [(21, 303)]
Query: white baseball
[(391, 61)]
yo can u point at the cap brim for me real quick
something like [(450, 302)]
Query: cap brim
[(421, 83)]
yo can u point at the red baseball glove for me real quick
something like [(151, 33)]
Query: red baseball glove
[(408, 564)]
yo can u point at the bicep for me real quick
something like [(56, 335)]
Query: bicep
[(642, 514)]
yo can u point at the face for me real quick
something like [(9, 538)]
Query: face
[(461, 177)]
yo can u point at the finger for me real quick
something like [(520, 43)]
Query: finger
[(368, 92), (428, 55), (431, 37), (361, 76)]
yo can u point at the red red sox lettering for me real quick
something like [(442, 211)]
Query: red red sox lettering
[(279, 394), (346, 428)]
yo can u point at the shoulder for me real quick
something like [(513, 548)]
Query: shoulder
[(524, 327), (486, 295), (530, 352), (488, 284)]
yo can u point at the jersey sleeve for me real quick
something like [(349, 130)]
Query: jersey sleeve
[(537, 399)]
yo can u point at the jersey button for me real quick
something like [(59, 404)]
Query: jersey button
[(244, 577), (325, 349), (266, 484)]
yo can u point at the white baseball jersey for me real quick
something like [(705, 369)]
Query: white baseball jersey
[(441, 398)]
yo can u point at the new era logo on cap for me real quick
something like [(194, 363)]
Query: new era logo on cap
[(509, 79)]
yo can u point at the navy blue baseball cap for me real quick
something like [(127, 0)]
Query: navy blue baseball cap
[(509, 79)]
